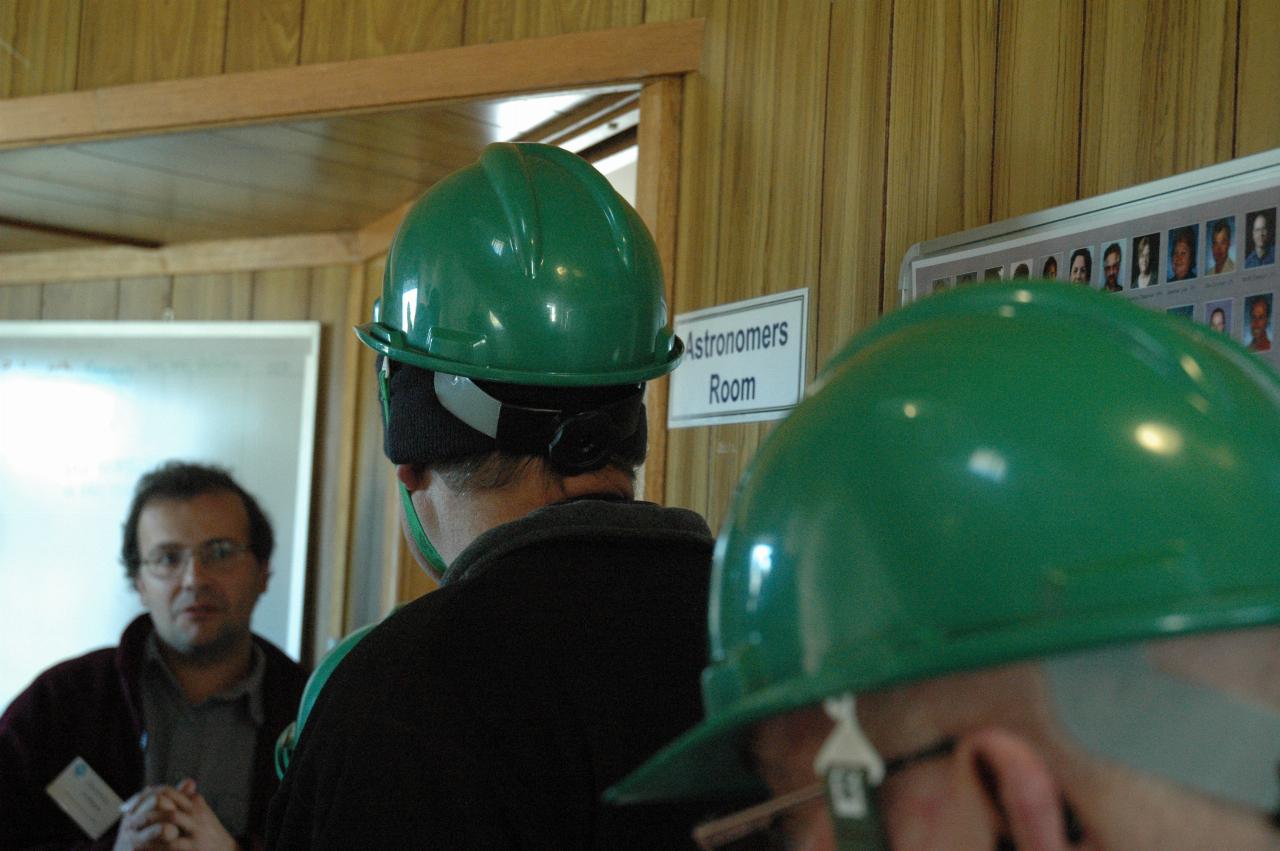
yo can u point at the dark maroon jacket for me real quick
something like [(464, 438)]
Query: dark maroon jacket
[(91, 706)]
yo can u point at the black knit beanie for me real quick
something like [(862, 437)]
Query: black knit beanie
[(422, 431)]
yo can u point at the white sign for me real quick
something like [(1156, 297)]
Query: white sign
[(743, 362)]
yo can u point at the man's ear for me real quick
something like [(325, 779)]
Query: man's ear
[(264, 577), (413, 476), (1021, 788)]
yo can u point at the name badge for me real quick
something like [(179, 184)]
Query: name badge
[(86, 797)]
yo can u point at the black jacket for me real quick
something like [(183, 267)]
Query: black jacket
[(91, 707), (493, 713)]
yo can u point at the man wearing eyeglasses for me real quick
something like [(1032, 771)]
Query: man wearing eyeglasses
[(925, 634), (179, 719)]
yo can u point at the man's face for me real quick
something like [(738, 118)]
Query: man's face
[(205, 609), (1181, 259), (1221, 243), (1258, 316), (1261, 234), (1111, 266), (1078, 273)]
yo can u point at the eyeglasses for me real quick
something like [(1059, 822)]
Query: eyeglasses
[(168, 562), (723, 832)]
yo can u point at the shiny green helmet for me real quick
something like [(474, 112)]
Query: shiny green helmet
[(996, 473), (287, 741), (526, 268)]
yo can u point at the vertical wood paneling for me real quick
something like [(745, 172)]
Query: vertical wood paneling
[(668, 10), (853, 175), (940, 124), (1037, 134), (10, 59), (503, 20), (20, 302), (81, 300), (209, 297), (126, 41), (145, 298), (41, 35), (1257, 118), (373, 504), (262, 34), (281, 294), (656, 201), (333, 30), (770, 228), (688, 449), (1159, 90), (329, 304)]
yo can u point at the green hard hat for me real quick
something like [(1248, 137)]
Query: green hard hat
[(527, 268), (991, 474), (288, 739)]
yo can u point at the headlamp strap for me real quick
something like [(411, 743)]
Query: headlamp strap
[(852, 769)]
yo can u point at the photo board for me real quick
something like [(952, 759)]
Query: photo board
[(85, 409), (1200, 245)]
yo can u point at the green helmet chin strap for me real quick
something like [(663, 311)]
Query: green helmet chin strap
[(435, 562)]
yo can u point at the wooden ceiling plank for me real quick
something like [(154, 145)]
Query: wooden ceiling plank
[(230, 160), (482, 70), (49, 203), (146, 187), (81, 235), (228, 255)]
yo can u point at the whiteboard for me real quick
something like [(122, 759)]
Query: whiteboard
[(85, 409)]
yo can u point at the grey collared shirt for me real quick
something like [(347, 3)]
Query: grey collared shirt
[(212, 742)]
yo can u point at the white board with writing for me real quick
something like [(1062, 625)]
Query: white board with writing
[(85, 409), (743, 362)]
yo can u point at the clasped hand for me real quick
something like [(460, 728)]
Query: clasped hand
[(171, 818)]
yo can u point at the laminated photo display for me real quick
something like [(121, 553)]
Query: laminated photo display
[(1200, 245)]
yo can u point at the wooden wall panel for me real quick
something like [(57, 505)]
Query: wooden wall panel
[(127, 41), (331, 305), (10, 59), (262, 34), (375, 547), (1037, 110), (503, 20), (20, 302), (770, 228), (657, 188), (145, 298), (1159, 90), (669, 10), (40, 35), (281, 294), (688, 449), (941, 108), (213, 296), (81, 300), (333, 30), (853, 175), (1257, 119)]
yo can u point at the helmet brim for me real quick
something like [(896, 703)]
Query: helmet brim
[(378, 337)]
